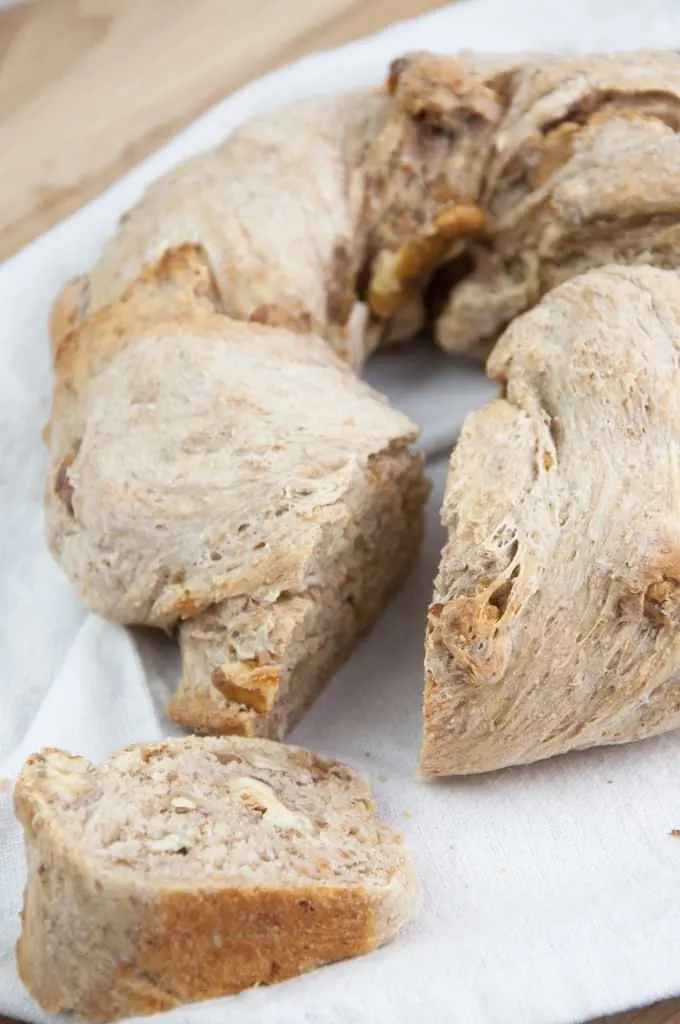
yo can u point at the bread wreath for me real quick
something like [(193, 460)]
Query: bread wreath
[(217, 468)]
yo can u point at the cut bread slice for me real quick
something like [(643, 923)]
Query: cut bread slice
[(189, 869)]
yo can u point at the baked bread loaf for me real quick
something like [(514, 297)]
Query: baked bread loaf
[(189, 869), (233, 479), (554, 622), (215, 468)]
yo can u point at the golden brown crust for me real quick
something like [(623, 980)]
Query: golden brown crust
[(198, 715), (278, 935), (179, 282), (450, 90), (276, 316), (68, 310), (177, 958)]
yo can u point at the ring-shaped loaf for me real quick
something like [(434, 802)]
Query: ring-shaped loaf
[(218, 468)]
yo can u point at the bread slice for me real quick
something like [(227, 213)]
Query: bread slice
[(554, 622), (188, 869), (236, 481)]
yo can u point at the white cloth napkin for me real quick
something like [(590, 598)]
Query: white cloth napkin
[(550, 893)]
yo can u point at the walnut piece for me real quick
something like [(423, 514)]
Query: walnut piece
[(398, 276), (65, 777), (248, 683), (260, 796)]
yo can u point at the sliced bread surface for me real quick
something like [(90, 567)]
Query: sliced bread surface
[(192, 868)]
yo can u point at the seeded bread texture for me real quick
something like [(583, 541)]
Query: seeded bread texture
[(189, 869)]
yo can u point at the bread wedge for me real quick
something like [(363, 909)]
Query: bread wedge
[(235, 481), (554, 621)]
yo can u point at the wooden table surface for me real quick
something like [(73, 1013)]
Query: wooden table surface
[(90, 87)]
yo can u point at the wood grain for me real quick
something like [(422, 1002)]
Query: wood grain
[(89, 87)]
